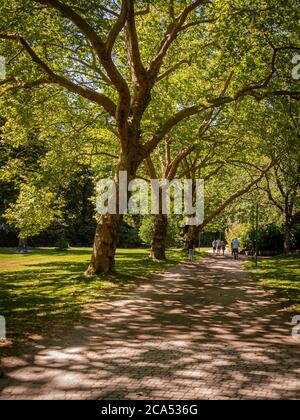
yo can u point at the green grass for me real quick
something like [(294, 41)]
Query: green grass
[(45, 289), (281, 275)]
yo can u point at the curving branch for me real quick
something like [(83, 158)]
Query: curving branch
[(107, 10), (170, 36), (134, 57), (173, 166), (234, 196), (173, 68), (101, 47), (118, 26), (23, 85), (85, 92), (143, 12)]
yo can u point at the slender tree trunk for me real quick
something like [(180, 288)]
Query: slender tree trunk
[(287, 238), (192, 233), (158, 249), (22, 243)]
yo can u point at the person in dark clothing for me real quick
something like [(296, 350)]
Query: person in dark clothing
[(191, 248)]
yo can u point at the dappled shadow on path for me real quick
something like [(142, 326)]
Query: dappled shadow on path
[(201, 330)]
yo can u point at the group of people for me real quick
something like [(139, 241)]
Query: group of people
[(219, 246)]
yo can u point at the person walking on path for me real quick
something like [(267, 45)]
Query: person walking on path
[(235, 248), (218, 246), (191, 248), (214, 246), (223, 247)]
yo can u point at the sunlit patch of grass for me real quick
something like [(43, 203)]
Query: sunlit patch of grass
[(47, 288), (281, 275)]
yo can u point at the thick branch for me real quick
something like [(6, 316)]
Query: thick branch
[(173, 166), (118, 26), (168, 125), (169, 37), (85, 92), (137, 68), (101, 48), (150, 168), (24, 85)]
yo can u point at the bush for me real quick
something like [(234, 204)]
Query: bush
[(295, 237), (240, 231), (146, 229), (174, 232), (8, 235), (62, 244), (269, 237), (129, 237)]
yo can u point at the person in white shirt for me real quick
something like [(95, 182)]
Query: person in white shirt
[(235, 248)]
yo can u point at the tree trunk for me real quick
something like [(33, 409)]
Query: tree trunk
[(192, 233), (107, 230), (287, 238), (22, 243), (105, 244), (158, 248)]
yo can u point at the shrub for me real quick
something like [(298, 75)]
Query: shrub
[(62, 243), (269, 237), (128, 237)]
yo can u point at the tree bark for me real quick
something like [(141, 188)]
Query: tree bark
[(105, 244), (158, 248), (287, 238), (191, 235), (107, 230)]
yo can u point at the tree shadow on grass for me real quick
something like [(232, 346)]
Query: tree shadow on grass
[(49, 295), (281, 275)]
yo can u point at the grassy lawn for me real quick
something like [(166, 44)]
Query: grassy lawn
[(281, 275), (46, 288)]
